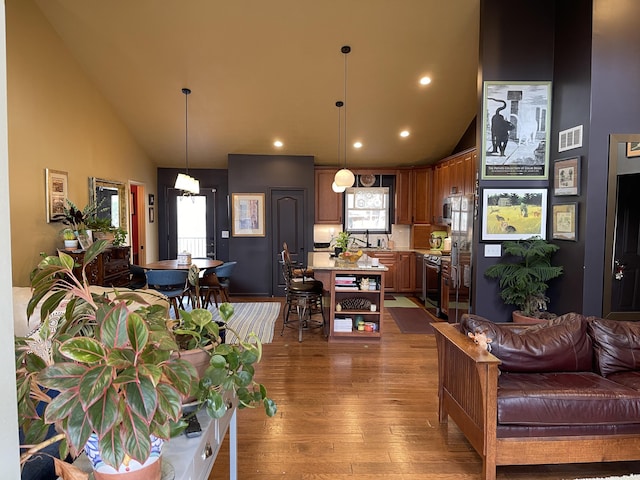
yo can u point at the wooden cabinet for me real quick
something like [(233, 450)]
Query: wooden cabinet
[(405, 272), (455, 174), (422, 195), (109, 269), (404, 197), (328, 204), (389, 260)]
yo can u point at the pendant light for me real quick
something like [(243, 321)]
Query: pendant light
[(184, 181), (335, 187), (345, 177)]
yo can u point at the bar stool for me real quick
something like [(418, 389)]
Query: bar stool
[(305, 296)]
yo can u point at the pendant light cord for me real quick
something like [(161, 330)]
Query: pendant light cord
[(186, 92), (345, 50)]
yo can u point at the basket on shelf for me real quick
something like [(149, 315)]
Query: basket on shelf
[(355, 303)]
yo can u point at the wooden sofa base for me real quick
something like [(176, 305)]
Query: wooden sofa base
[(468, 381)]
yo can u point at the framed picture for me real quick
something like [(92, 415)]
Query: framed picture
[(514, 214), (516, 119), (565, 221), (248, 215), (566, 176), (84, 240), (633, 149), (152, 199), (151, 215), (57, 191)]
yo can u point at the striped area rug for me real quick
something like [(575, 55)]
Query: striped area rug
[(257, 317)]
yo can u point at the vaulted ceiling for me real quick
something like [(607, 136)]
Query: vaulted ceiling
[(266, 70)]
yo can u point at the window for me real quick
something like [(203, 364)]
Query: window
[(367, 209)]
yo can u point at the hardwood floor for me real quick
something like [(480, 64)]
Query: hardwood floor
[(365, 411)]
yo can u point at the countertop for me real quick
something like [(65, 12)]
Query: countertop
[(324, 261)]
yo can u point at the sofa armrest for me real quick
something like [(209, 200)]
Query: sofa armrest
[(467, 386)]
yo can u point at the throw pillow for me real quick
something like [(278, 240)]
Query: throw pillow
[(559, 345), (616, 345)]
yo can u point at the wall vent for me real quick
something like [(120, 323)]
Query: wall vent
[(570, 138)]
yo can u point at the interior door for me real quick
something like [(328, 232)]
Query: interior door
[(192, 223), (625, 287), (288, 225)]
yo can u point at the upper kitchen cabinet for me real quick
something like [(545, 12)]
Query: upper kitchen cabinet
[(404, 197), (422, 199), (453, 175), (328, 203)]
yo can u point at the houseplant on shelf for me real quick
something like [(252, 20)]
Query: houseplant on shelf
[(116, 370), (70, 239), (523, 276)]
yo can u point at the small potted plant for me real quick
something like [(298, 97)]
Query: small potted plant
[(341, 242), (523, 277), (70, 239), (133, 359)]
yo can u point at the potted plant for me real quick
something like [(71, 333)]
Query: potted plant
[(115, 370), (76, 218), (524, 274), (341, 242), (70, 239)]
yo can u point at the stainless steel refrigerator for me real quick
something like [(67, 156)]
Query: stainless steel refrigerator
[(461, 234)]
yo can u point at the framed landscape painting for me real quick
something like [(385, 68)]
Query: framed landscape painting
[(516, 127), (514, 214)]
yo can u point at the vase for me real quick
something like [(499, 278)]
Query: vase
[(130, 469)]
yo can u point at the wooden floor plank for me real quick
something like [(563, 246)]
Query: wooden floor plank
[(366, 411)]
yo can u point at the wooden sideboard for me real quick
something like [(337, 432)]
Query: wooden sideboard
[(109, 269)]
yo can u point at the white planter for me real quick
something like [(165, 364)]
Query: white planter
[(71, 244)]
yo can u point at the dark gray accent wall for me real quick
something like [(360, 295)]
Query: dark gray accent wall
[(262, 174)]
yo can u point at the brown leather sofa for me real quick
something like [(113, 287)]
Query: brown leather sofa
[(565, 391)]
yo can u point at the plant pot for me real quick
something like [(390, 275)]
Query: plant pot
[(199, 358), (71, 244), (132, 470), (519, 317)]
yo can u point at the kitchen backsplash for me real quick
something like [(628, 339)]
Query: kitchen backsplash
[(400, 234)]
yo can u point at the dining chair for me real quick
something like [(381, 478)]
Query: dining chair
[(304, 296), (137, 277), (217, 281), (172, 283)]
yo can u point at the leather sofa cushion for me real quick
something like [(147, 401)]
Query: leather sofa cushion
[(546, 399), (559, 345), (616, 345)]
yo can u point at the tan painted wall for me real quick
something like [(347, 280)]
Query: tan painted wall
[(58, 120)]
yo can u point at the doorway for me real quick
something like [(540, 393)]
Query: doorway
[(137, 230), (192, 223), (621, 300), (287, 225)]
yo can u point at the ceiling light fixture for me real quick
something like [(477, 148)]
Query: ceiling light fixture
[(357, 145), (277, 144), (345, 177), (335, 187), (425, 81), (404, 133), (184, 181)]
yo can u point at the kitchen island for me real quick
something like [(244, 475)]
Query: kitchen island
[(355, 296)]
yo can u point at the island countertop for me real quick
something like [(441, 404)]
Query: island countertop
[(324, 261)]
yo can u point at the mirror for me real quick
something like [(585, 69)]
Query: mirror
[(622, 257), (112, 197)]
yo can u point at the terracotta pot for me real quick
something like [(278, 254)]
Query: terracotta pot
[(199, 358), (518, 317)]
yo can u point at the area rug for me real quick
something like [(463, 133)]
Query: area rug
[(411, 320), (400, 301), (625, 477), (257, 317)]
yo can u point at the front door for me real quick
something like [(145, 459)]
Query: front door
[(192, 223), (288, 225), (625, 286)]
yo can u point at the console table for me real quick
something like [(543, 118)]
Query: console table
[(193, 458)]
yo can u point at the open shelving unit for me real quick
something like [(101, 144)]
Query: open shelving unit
[(342, 287)]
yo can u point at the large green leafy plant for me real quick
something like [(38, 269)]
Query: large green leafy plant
[(116, 367), (524, 274)]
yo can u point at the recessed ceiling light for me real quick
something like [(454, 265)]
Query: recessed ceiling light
[(358, 145), (277, 144), (404, 133), (425, 80)]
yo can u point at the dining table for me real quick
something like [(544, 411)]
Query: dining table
[(201, 263)]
